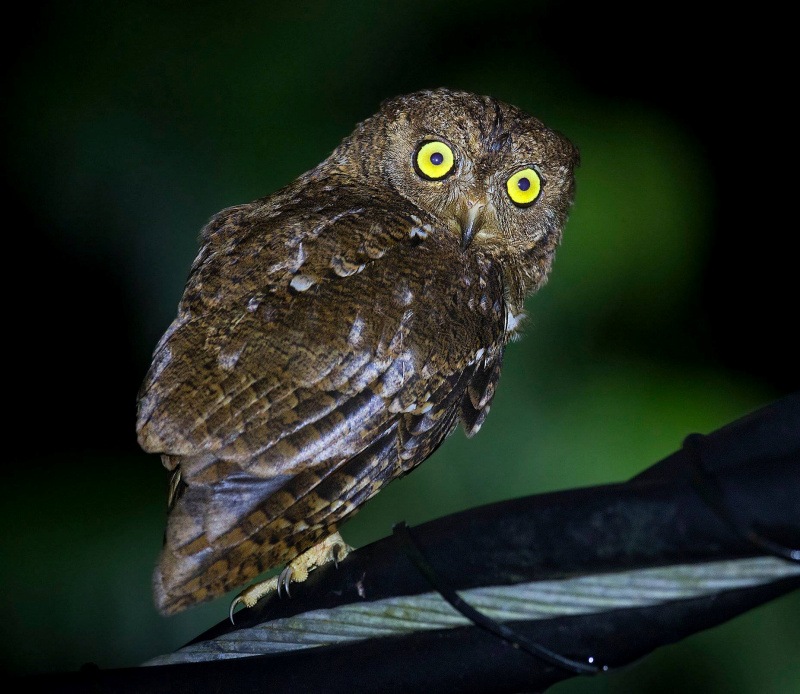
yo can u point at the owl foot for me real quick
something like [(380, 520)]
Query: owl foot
[(332, 548)]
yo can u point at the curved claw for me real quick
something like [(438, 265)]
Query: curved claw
[(234, 603), (284, 581), (279, 587)]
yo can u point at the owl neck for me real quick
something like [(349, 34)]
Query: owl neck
[(524, 270)]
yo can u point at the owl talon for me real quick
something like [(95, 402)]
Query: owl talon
[(332, 548), (234, 603), (284, 580), (252, 594)]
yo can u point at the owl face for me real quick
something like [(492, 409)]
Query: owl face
[(484, 170)]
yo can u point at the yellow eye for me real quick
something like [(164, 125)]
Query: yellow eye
[(434, 160), (524, 187)]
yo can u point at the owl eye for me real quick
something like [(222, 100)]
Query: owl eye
[(434, 160), (524, 187)]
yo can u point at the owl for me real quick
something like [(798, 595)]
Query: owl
[(333, 334)]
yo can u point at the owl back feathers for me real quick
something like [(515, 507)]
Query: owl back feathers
[(286, 406)]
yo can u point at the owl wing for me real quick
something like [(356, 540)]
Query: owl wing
[(315, 357)]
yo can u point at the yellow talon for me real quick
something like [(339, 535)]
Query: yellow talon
[(332, 548)]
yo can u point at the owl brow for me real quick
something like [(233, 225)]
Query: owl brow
[(498, 136), (503, 140)]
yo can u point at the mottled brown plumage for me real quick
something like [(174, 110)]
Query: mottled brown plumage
[(332, 334)]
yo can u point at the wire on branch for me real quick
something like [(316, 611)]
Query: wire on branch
[(518, 595)]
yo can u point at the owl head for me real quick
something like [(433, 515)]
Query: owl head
[(483, 170)]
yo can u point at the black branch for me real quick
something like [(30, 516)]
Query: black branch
[(580, 581)]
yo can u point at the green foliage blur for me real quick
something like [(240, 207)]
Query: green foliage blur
[(128, 125)]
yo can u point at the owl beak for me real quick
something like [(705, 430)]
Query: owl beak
[(471, 221)]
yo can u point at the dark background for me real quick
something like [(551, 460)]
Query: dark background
[(671, 308)]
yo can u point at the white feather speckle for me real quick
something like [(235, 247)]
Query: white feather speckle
[(301, 282), (354, 338), (512, 321)]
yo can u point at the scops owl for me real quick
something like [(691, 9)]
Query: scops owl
[(333, 334)]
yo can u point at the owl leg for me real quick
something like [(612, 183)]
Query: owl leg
[(332, 548)]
